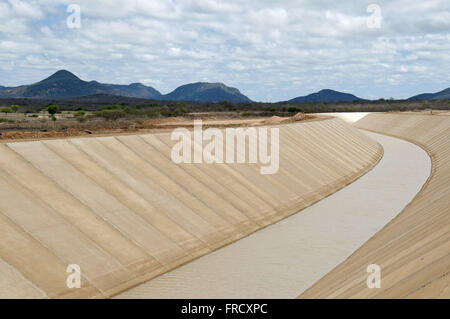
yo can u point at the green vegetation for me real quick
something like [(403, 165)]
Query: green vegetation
[(6, 110), (178, 109), (90, 115), (116, 111), (294, 109), (110, 114), (52, 109), (116, 108), (80, 115), (113, 107)]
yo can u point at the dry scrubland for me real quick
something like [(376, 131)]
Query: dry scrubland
[(414, 249), (122, 210), (66, 125)]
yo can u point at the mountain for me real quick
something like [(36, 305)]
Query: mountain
[(206, 92), (327, 96), (64, 84), (442, 95)]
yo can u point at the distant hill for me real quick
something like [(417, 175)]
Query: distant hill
[(327, 96), (442, 95), (206, 92), (64, 84)]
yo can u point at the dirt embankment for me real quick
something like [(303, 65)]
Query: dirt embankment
[(150, 126)]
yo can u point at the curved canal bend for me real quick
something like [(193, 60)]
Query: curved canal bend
[(284, 259)]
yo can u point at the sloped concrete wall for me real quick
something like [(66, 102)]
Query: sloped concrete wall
[(413, 250), (124, 212)]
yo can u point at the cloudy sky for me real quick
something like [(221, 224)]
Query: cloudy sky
[(270, 50)]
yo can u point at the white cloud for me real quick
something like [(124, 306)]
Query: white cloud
[(269, 49)]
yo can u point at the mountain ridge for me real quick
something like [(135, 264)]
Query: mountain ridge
[(63, 84), (441, 95), (206, 92), (327, 95)]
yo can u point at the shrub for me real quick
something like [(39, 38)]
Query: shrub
[(79, 113), (110, 115), (52, 109), (181, 109), (112, 107), (293, 109), (152, 113), (6, 110)]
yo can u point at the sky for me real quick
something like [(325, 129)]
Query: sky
[(269, 50)]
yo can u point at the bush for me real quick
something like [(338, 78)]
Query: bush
[(181, 109), (153, 113), (52, 109), (294, 109), (112, 107), (6, 110), (110, 115), (79, 113)]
